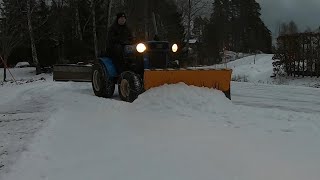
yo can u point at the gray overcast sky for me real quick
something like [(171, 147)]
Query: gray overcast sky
[(303, 12)]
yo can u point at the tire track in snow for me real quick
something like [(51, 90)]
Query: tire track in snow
[(20, 119), (288, 98)]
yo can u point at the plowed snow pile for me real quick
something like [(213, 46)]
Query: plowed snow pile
[(182, 98)]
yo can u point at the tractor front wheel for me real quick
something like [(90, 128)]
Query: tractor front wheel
[(129, 86)]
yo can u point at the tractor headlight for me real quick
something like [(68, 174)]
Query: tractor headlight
[(174, 48), (141, 47)]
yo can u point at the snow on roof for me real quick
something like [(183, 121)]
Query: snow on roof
[(22, 64), (192, 41)]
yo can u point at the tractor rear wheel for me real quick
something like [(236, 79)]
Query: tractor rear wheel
[(102, 84), (129, 86)]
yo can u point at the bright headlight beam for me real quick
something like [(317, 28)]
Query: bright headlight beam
[(174, 48), (141, 47)]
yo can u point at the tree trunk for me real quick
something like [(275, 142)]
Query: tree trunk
[(154, 24), (4, 73), (94, 31), (78, 26), (189, 24), (146, 14), (33, 45), (109, 16), (4, 59)]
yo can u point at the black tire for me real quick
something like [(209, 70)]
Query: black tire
[(174, 65), (129, 86), (102, 84)]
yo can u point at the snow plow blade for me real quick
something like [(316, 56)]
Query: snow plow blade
[(72, 72), (211, 78)]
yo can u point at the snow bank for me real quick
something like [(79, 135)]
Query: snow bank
[(256, 68), (253, 68), (22, 80), (23, 75)]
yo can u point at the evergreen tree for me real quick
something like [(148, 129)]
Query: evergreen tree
[(239, 27), (171, 21), (220, 20)]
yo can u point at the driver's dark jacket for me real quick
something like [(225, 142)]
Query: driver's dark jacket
[(118, 35)]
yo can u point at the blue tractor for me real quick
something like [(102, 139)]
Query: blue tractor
[(137, 58)]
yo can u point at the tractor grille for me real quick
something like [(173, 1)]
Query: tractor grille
[(157, 59), (158, 45)]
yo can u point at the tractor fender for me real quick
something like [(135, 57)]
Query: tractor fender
[(109, 66)]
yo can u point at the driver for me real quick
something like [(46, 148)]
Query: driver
[(119, 35)]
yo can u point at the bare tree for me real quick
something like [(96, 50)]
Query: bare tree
[(32, 41), (111, 6), (74, 5), (194, 8), (189, 22), (27, 8), (290, 28), (191, 9), (9, 39), (283, 29), (78, 25), (94, 28), (10, 33), (308, 30)]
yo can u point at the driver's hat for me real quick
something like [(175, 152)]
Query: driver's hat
[(121, 14)]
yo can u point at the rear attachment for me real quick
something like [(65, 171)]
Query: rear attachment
[(212, 78), (72, 72)]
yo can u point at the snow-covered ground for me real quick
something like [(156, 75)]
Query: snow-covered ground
[(60, 130), (24, 109)]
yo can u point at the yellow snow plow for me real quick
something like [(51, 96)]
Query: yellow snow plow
[(211, 78)]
